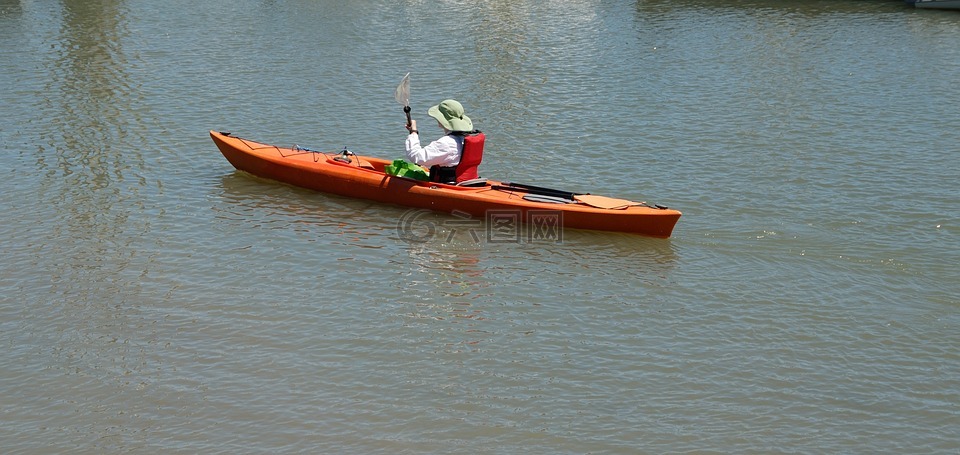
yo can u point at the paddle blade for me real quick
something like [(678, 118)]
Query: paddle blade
[(403, 91)]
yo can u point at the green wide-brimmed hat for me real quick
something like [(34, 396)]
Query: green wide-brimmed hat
[(450, 114)]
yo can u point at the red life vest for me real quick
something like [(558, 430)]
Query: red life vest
[(471, 156)]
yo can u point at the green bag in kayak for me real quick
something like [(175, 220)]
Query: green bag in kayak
[(403, 168)]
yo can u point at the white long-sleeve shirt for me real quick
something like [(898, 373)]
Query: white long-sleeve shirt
[(444, 151)]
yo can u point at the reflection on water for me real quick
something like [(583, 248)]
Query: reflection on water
[(89, 99), (9, 8), (85, 118), (454, 274), (274, 205), (507, 47), (437, 238), (810, 8)]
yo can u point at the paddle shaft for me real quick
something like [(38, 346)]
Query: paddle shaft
[(542, 190), (535, 190)]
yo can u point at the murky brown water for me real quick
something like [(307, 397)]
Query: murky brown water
[(153, 300)]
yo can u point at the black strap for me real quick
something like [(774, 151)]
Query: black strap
[(465, 133), (443, 174)]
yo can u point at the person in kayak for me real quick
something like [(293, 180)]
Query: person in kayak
[(442, 155)]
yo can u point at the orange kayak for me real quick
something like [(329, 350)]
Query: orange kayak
[(348, 174)]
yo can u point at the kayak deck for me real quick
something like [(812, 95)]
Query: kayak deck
[(363, 177)]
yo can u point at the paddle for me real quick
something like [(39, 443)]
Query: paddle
[(537, 190), (403, 97), (552, 195)]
